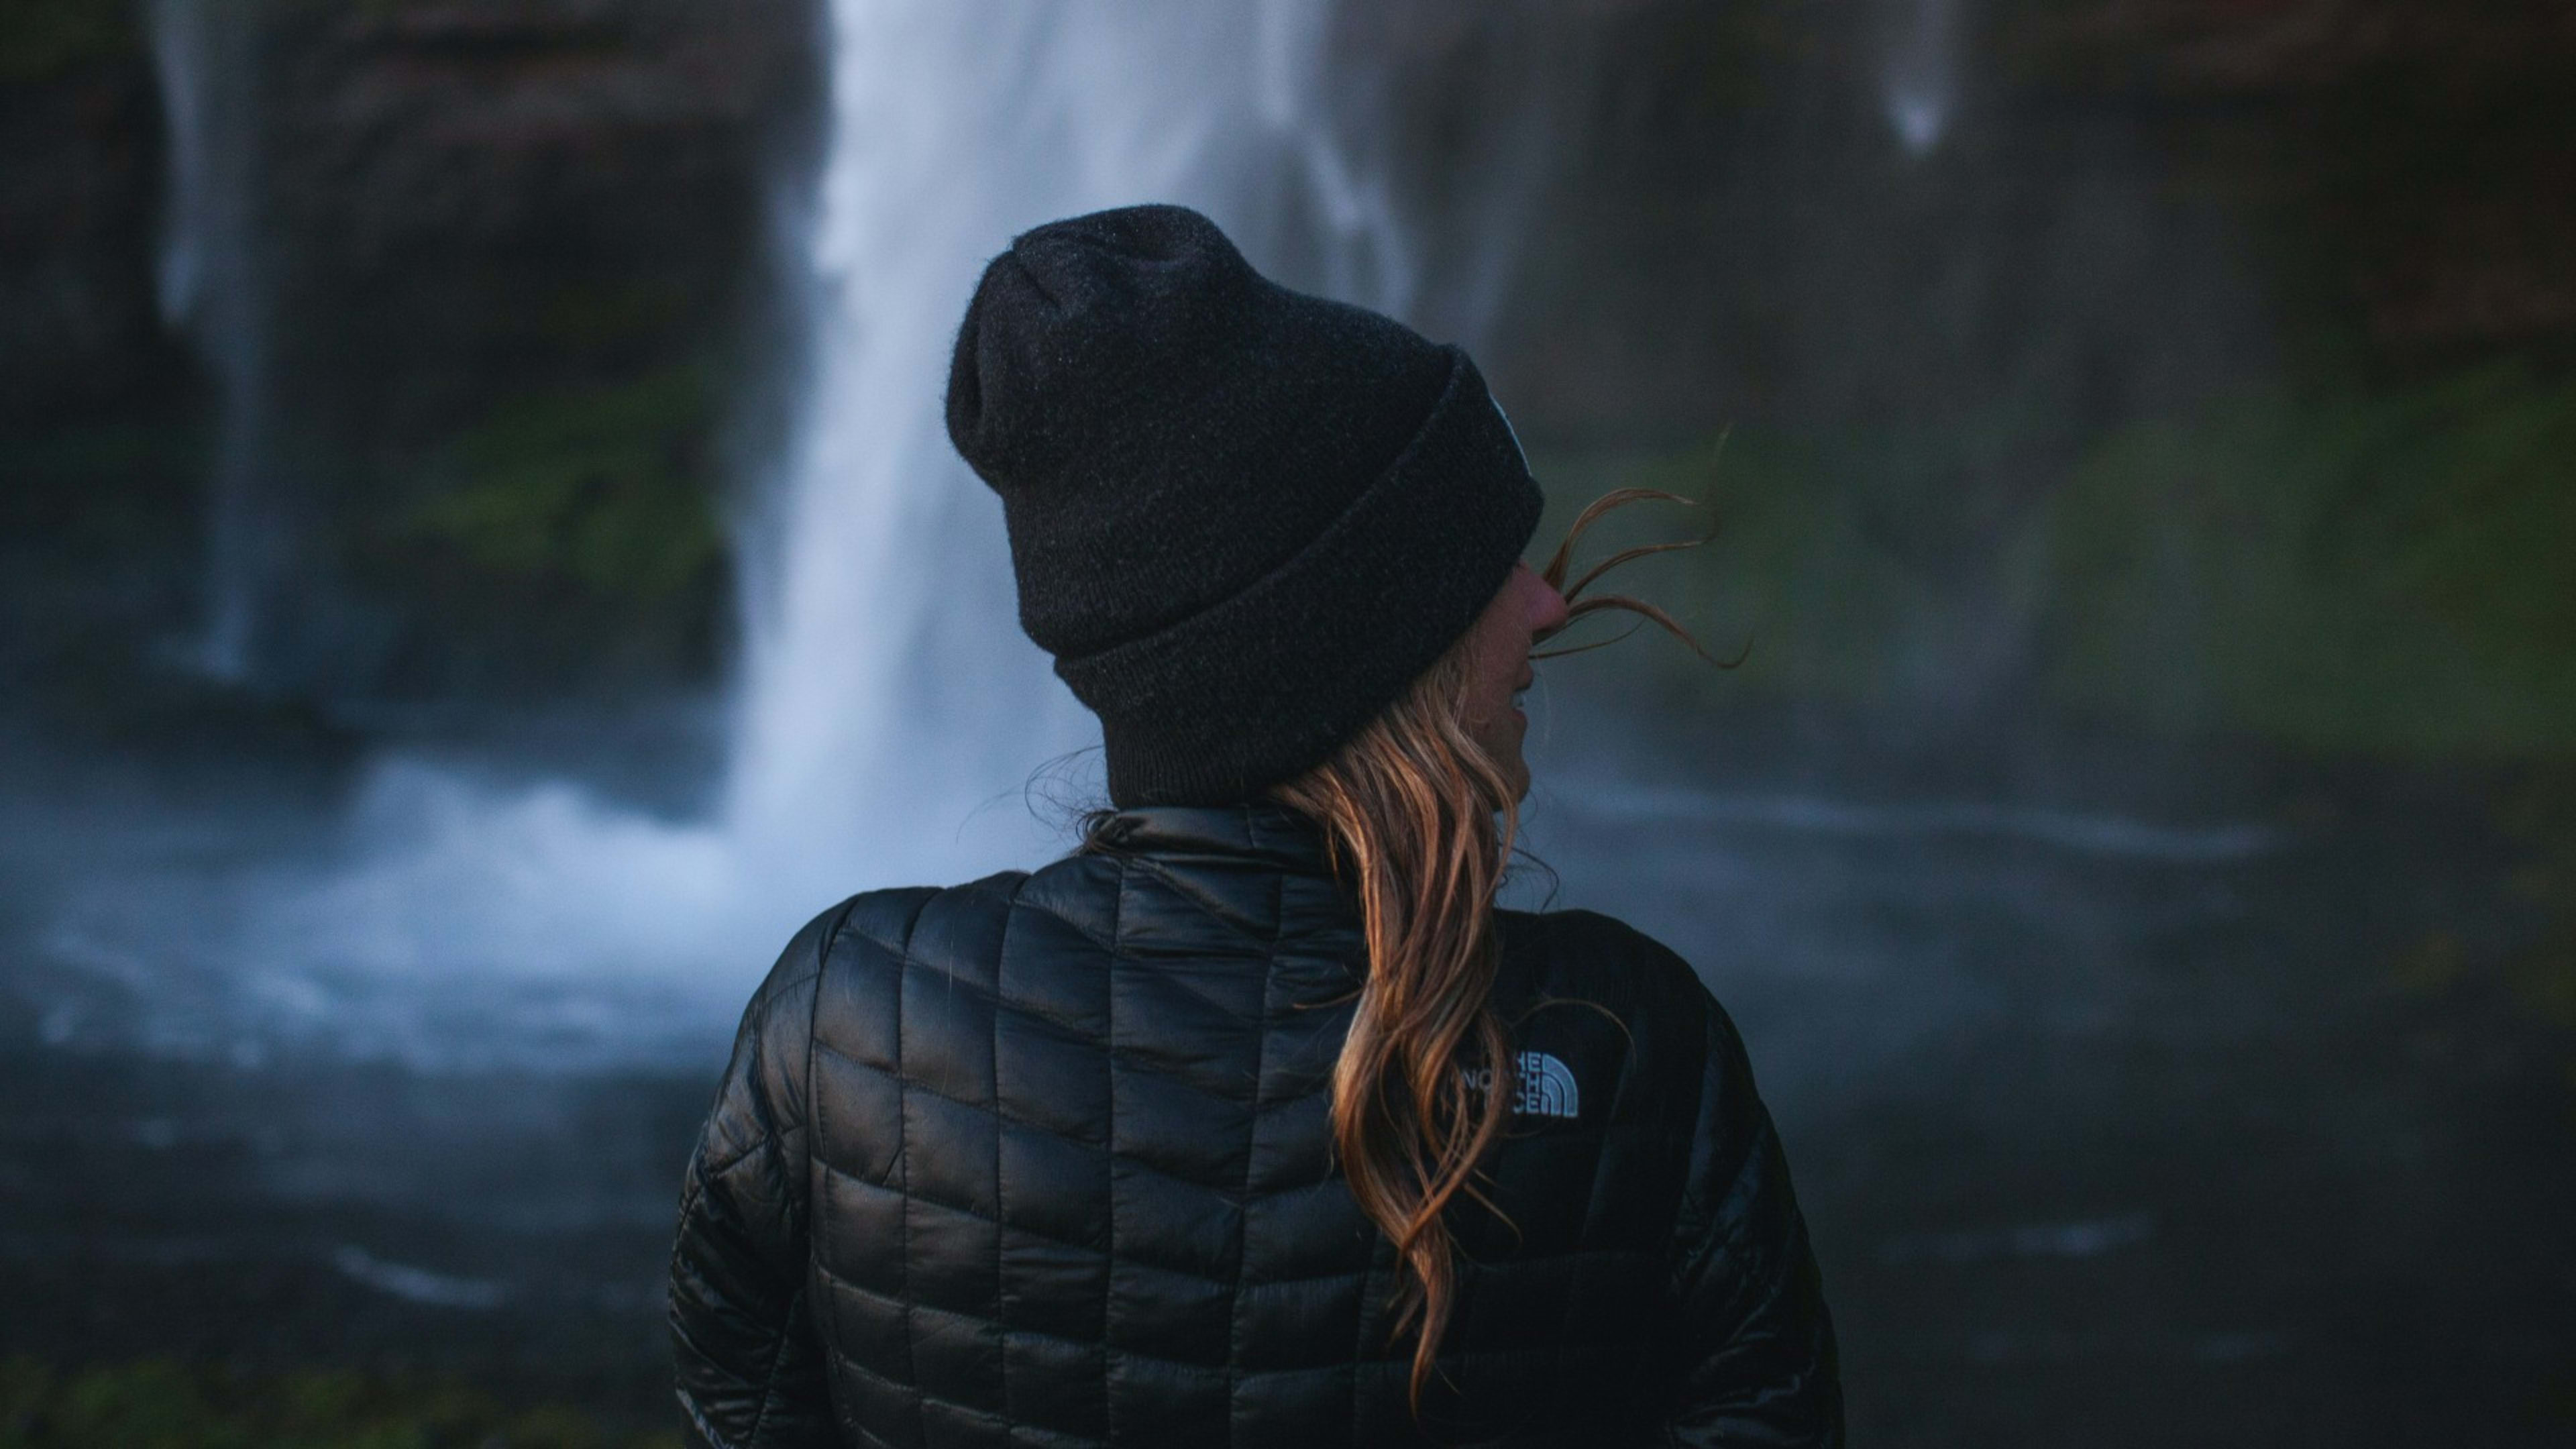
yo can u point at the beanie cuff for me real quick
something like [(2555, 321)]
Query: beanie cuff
[(1267, 683)]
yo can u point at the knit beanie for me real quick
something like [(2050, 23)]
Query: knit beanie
[(1242, 519)]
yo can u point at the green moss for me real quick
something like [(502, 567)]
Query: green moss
[(165, 1405), (2382, 571), (602, 489), (2356, 569)]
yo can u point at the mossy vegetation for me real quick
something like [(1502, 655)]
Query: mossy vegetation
[(2378, 570), (601, 489), (2351, 570), (157, 1404), (571, 536)]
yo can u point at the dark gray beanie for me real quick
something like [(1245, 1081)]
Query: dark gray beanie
[(1243, 518)]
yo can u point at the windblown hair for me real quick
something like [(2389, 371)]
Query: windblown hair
[(1419, 822)]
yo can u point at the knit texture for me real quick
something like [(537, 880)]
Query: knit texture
[(1242, 518)]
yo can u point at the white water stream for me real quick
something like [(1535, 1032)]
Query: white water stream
[(889, 698), (1919, 69), (211, 289), (889, 712)]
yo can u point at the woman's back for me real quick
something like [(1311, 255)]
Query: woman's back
[(1047, 1159)]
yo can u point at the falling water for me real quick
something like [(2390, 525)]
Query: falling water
[(1919, 70), (210, 289), (889, 714), (888, 692)]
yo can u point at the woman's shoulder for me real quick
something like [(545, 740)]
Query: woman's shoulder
[(926, 925), (1590, 956), (1571, 975), (1611, 968), (857, 949)]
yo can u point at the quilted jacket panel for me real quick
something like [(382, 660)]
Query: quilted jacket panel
[(1045, 1160)]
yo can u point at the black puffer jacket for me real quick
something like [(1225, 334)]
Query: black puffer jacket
[(1043, 1160)]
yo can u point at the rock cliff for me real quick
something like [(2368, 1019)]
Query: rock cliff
[(517, 261)]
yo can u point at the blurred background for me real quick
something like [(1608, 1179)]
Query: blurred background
[(479, 566)]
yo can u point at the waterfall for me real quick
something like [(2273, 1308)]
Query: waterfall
[(210, 289), (888, 694), (888, 712), (1919, 70)]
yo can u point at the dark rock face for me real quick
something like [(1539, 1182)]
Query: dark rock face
[(80, 149), (519, 259), (97, 474), (474, 199), (511, 265), (2422, 151), (2399, 174), (517, 273)]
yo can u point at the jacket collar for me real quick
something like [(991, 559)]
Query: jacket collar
[(1259, 832)]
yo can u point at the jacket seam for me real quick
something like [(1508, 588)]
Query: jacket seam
[(993, 1088), (996, 996), (1061, 1241), (777, 1356), (903, 1166), (1016, 899), (1073, 1004), (698, 1420), (769, 1135), (1574, 1279), (817, 1141), (1015, 1119), (1727, 1237), (1196, 898), (736, 1152), (922, 897), (1251, 1148), (1723, 1230), (1318, 1185), (992, 996), (1021, 902), (1191, 1365), (990, 1416), (1689, 1222), (920, 1395), (814, 1110), (731, 1160), (1109, 1094)]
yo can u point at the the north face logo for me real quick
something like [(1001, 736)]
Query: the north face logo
[(1542, 1087)]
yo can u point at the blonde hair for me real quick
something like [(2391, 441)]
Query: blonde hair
[(1418, 821)]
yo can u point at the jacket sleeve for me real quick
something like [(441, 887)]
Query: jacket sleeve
[(1758, 1364), (743, 1338)]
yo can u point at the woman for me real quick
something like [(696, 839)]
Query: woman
[(1253, 1121)]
